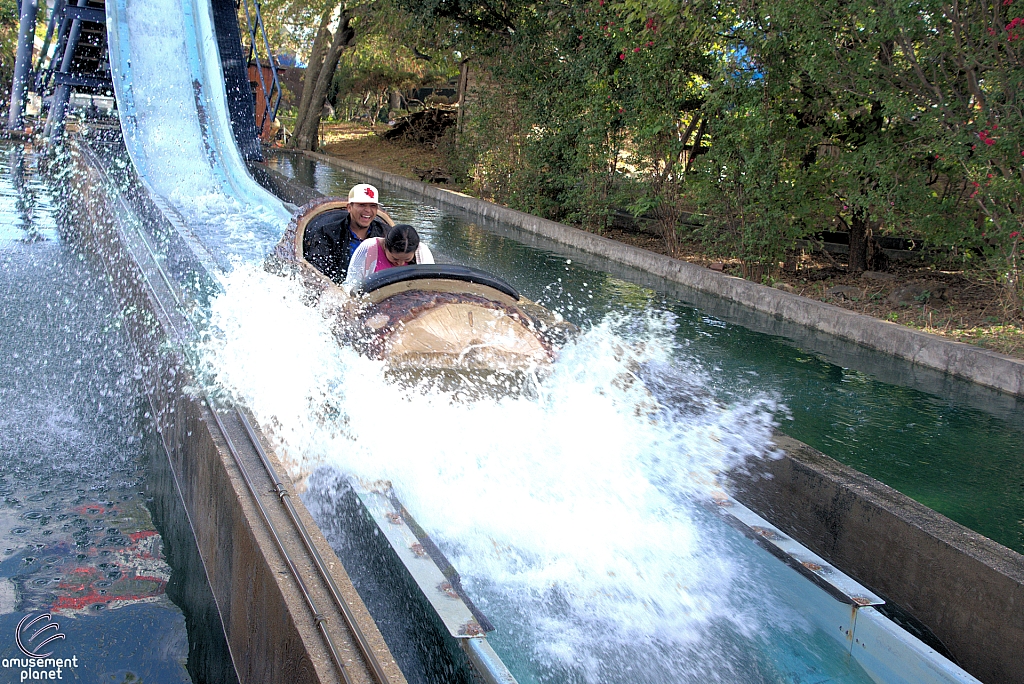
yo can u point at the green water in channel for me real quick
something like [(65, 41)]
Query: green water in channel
[(952, 446)]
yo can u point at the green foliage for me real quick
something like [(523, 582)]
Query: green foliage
[(9, 22), (772, 119), (391, 55), (755, 201)]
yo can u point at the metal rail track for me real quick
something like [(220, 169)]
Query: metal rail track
[(182, 337)]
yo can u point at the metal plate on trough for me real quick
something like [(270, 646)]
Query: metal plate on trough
[(438, 588), (840, 586)]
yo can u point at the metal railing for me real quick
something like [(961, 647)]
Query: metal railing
[(272, 93)]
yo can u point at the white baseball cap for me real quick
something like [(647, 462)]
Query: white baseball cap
[(364, 194)]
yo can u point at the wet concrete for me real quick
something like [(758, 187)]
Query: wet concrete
[(272, 634), (967, 589)]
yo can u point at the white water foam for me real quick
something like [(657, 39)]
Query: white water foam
[(571, 511)]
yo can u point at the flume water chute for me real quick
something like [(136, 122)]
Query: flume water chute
[(168, 79), (446, 475)]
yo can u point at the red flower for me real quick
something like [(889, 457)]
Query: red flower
[(636, 49), (1014, 234), (622, 55), (990, 141), (621, 110)]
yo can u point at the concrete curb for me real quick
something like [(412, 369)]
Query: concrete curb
[(956, 358)]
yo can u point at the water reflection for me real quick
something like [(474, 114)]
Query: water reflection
[(77, 539)]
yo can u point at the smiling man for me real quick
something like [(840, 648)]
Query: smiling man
[(362, 209), (329, 244)]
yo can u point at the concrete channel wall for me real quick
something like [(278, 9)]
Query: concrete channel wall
[(271, 631), (966, 589), (962, 360)]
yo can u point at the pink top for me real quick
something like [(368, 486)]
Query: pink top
[(382, 257)]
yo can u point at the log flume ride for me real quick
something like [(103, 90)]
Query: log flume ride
[(428, 317)]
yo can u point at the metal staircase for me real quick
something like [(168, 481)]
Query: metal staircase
[(77, 63), (74, 59), (257, 35)]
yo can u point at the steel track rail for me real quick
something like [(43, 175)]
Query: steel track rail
[(307, 540), (318, 617), (364, 646)]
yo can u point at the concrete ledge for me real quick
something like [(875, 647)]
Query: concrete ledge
[(967, 589), (271, 633), (962, 360)]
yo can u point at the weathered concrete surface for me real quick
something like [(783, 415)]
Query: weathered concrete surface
[(973, 363), (271, 632), (966, 588)]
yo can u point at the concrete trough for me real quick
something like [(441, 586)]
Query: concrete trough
[(289, 609), (978, 365), (965, 588), (278, 615)]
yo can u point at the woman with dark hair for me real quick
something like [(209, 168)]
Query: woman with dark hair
[(400, 246)]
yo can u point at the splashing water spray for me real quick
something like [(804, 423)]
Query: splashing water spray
[(573, 510)]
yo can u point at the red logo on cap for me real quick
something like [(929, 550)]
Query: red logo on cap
[(369, 192)]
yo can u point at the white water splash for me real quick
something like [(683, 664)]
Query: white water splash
[(571, 511)]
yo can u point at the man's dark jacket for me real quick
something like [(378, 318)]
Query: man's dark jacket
[(326, 244)]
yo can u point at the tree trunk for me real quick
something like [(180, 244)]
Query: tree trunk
[(309, 78), (306, 130), (860, 233), (463, 86)]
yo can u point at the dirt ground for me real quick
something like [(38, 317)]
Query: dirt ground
[(919, 296), (361, 144)]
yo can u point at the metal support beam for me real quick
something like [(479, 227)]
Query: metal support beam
[(51, 25), (64, 28), (79, 80), (22, 63), (96, 16), (62, 94)]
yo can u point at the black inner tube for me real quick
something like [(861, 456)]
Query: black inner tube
[(467, 274)]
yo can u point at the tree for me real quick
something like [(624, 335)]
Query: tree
[(9, 24), (324, 57)]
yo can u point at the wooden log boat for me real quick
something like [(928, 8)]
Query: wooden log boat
[(431, 316)]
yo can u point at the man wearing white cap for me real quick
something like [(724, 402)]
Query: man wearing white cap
[(329, 246)]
